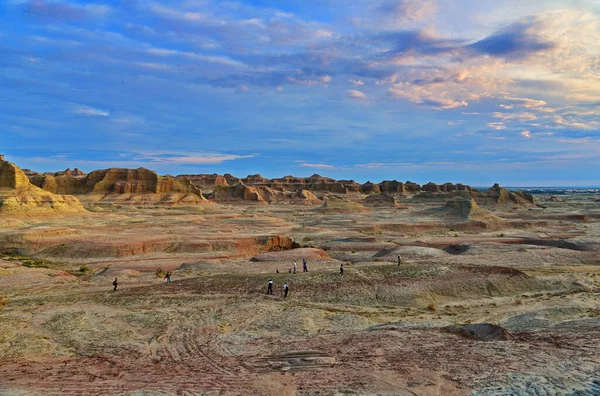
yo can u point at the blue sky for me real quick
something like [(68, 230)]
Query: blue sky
[(443, 90)]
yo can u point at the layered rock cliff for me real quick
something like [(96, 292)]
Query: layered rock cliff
[(144, 186), (139, 186), (19, 196)]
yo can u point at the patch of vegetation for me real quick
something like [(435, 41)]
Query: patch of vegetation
[(3, 302), (32, 262), (83, 269), (432, 307), (160, 273)]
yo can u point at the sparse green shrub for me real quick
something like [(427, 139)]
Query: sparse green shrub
[(84, 268), (501, 235), (160, 272)]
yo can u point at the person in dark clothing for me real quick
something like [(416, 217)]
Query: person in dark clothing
[(341, 269), (270, 287), (286, 289), (304, 265), (168, 278), (399, 260), (115, 284)]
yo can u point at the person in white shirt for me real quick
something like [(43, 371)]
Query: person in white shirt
[(286, 289), (270, 287), (295, 267)]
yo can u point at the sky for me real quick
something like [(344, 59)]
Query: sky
[(470, 91)]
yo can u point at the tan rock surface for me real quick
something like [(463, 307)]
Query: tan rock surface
[(18, 196)]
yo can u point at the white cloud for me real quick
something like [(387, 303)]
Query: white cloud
[(191, 55), (525, 116), (498, 126), (355, 94), (320, 166), (526, 134), (356, 83), (90, 111)]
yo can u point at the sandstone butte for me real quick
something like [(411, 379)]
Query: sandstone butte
[(19, 196), (145, 187)]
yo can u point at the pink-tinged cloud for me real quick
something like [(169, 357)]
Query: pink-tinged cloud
[(355, 94)]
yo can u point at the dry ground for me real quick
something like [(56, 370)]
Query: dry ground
[(378, 329)]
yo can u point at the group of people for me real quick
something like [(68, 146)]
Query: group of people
[(294, 267), (286, 288)]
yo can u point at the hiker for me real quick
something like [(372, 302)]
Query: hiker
[(295, 267), (304, 265), (115, 284), (399, 260), (286, 289), (270, 287), (168, 277), (277, 271), (341, 269)]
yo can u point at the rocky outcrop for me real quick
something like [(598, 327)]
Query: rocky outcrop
[(255, 179), (467, 209), (431, 187), (380, 201), (206, 180), (11, 177), (392, 187), (501, 196), (370, 188), (139, 186), (18, 196), (242, 192), (129, 183), (337, 204)]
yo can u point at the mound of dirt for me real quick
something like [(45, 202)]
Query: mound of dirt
[(479, 331), (467, 209), (310, 254), (381, 200), (197, 266), (457, 249), (337, 204)]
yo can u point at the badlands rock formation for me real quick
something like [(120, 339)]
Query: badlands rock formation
[(117, 185), (19, 196), (145, 187), (335, 204), (468, 209), (381, 200)]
